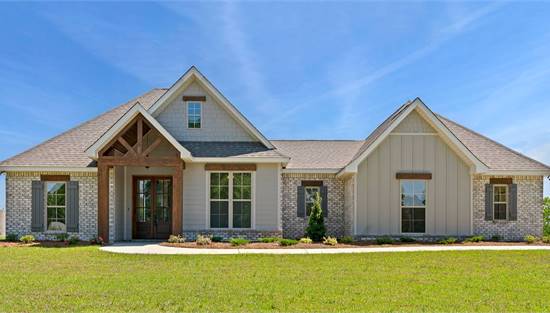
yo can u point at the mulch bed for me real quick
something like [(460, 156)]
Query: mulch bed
[(365, 244)]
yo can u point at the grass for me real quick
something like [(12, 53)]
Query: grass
[(86, 279)]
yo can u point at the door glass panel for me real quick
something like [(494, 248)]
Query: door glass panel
[(163, 198), (143, 200)]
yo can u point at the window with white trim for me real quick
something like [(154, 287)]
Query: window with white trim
[(194, 114), (413, 206), (500, 202), (230, 200), (56, 206)]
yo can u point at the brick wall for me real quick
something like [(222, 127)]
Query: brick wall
[(294, 226), (529, 208), (19, 197)]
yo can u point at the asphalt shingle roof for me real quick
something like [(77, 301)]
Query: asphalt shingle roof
[(217, 149), (68, 149)]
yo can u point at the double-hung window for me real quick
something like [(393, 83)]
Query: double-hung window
[(500, 202), (413, 206), (55, 206), (194, 114), (230, 200)]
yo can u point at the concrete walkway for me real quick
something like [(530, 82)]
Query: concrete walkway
[(155, 248)]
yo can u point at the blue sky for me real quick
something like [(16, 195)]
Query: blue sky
[(296, 70)]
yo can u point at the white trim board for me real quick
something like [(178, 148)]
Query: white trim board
[(193, 74)]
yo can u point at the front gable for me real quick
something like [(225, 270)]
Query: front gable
[(216, 122), (220, 120), (414, 124)]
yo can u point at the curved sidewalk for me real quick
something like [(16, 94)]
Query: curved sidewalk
[(155, 248)]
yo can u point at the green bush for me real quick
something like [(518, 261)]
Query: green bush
[(288, 242), (478, 238), (11, 237), (530, 239), (496, 238), (331, 241), (62, 237), (546, 216), (176, 239), (269, 239), (306, 240), (447, 241), (546, 239), (407, 239), (346, 239), (384, 240), (238, 241), (316, 229), (73, 240), (217, 239), (203, 240), (27, 239)]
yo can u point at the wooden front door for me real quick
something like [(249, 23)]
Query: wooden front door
[(152, 207)]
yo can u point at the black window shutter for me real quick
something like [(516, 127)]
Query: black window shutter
[(488, 202), (324, 200), (37, 214), (513, 202), (301, 205), (72, 206)]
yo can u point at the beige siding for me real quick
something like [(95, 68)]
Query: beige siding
[(448, 192), (266, 197), (413, 123), (194, 197), (217, 124)]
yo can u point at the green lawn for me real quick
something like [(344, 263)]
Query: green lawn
[(85, 279)]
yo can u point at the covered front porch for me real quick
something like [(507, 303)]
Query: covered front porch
[(140, 183)]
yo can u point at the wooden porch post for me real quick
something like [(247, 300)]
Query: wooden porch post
[(177, 195), (103, 201)]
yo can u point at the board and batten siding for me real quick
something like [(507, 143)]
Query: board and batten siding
[(448, 205)]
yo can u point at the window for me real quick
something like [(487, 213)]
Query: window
[(231, 196), (55, 206), (194, 115), (413, 206), (500, 202), (310, 192)]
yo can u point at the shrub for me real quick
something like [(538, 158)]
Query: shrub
[(546, 239), (73, 240), (217, 239), (269, 239), (11, 237), (27, 239), (331, 241), (203, 240), (316, 225), (62, 237), (447, 241), (478, 238), (306, 240), (384, 240), (238, 241), (288, 242), (176, 239), (530, 239), (407, 239), (346, 239), (97, 241), (496, 238)]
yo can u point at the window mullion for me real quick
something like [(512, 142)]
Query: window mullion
[(230, 199)]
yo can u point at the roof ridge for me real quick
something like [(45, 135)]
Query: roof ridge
[(491, 140), (341, 140), (133, 100)]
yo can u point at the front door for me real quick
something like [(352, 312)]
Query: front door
[(152, 207)]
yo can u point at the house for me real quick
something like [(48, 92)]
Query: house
[(184, 160)]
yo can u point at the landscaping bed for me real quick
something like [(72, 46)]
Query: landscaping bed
[(45, 244)]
